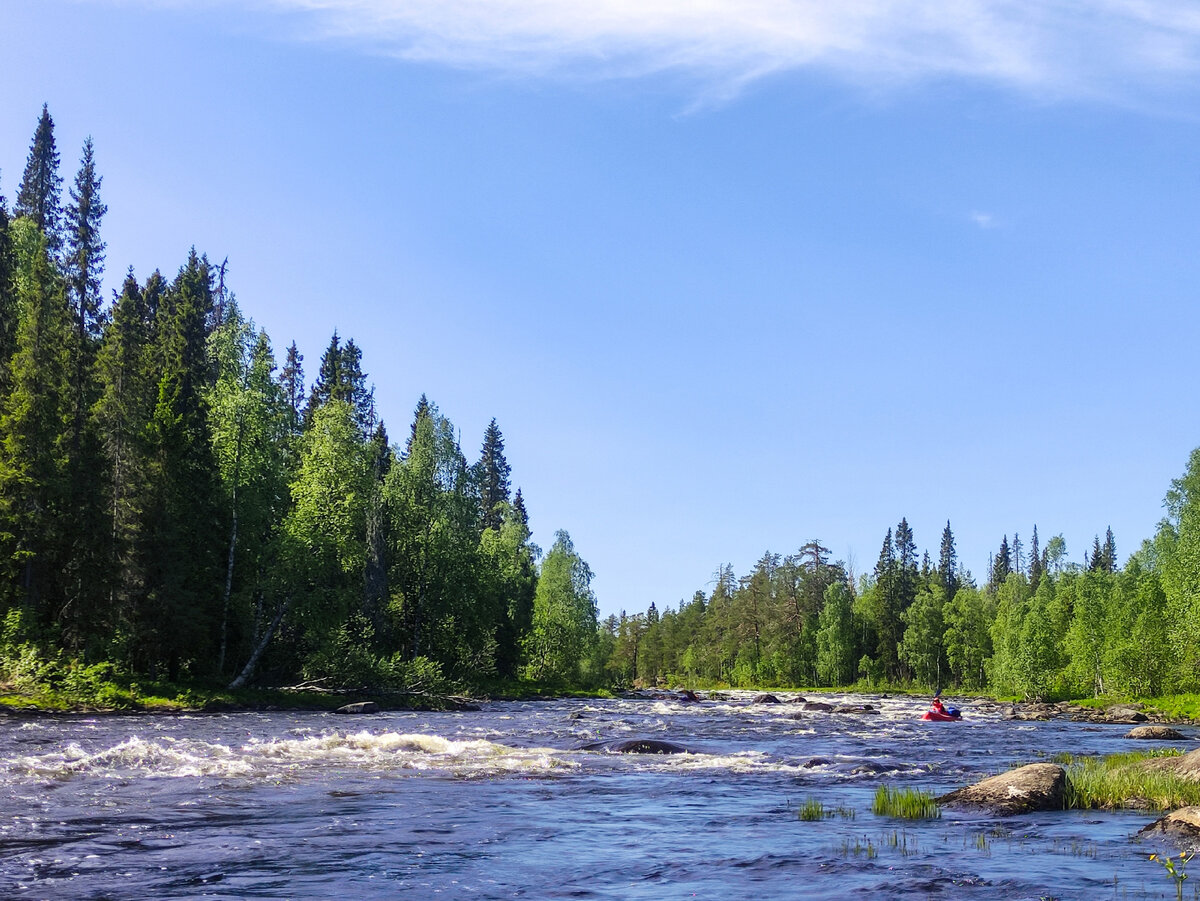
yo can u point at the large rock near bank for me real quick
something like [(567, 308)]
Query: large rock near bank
[(1186, 766), (360, 707), (1156, 733), (1039, 786), (1182, 825)]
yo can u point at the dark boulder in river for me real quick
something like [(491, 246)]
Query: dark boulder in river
[(637, 746), (764, 699), (1038, 786), (818, 705), (1156, 733), (855, 708), (360, 707), (1182, 825)]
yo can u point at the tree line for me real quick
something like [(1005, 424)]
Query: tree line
[(1040, 626), (174, 504)]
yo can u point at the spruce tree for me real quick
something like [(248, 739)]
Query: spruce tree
[(83, 261), (122, 416), (8, 298), (947, 570), (33, 418), (341, 378), (887, 607), (422, 409), (1001, 564), (908, 574), (292, 380), (519, 509), (185, 529), (375, 569), (1110, 551), (41, 187), (492, 473), (1037, 565)]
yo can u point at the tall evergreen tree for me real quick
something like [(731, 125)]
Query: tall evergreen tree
[(422, 409), (519, 509), (492, 473), (122, 416), (375, 569), (86, 548), (1110, 551), (39, 197), (947, 570), (185, 530), (8, 297), (33, 420), (1037, 564), (1001, 565), (341, 378), (292, 380)]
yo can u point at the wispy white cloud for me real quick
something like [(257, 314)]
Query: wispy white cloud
[(1098, 48), (983, 220)]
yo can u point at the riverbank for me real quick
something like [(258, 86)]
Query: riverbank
[(172, 698)]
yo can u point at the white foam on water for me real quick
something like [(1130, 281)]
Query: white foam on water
[(383, 752)]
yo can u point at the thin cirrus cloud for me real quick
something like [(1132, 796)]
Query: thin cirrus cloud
[(1100, 48), (1105, 49)]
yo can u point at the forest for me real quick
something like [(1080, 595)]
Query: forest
[(175, 504)]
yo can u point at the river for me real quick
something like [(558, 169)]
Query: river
[(501, 803)]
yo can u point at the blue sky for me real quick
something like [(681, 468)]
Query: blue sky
[(729, 276)]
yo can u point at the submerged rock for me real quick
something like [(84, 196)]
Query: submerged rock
[(688, 696), (637, 746), (359, 707), (818, 705), (764, 699), (1156, 733), (1182, 825), (1038, 786), (855, 708)]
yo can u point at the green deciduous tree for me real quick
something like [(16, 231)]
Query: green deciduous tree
[(837, 646), (564, 615), (923, 645)]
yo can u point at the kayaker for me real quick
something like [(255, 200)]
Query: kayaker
[(937, 705)]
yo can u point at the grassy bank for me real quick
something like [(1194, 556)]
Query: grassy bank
[(1137, 780)]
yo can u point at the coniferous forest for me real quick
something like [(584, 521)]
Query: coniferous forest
[(178, 502)]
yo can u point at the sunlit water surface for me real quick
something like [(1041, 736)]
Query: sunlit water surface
[(501, 803)]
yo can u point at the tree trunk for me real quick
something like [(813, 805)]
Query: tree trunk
[(247, 672)]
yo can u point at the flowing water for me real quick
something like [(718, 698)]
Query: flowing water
[(504, 803)]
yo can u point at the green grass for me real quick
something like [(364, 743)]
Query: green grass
[(1176, 707), (812, 810), (1124, 780), (906, 803)]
